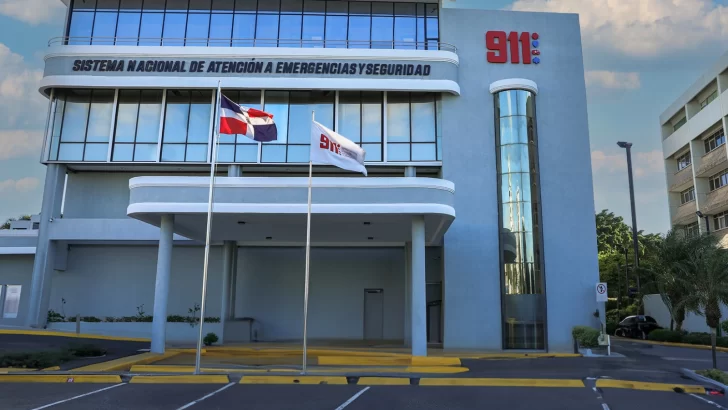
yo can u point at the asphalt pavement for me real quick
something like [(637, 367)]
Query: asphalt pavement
[(323, 397)]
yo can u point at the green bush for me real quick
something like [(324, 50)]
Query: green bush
[(176, 319), (665, 335), (86, 350), (721, 341), (611, 327), (210, 339), (34, 360), (586, 336), (92, 319), (714, 374), (54, 316), (697, 339), (212, 320)]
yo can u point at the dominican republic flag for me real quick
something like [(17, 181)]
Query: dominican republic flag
[(254, 124)]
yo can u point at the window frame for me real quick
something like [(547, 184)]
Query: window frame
[(718, 180), (683, 161), (714, 140), (687, 195)]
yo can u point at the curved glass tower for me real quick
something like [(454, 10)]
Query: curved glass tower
[(523, 295)]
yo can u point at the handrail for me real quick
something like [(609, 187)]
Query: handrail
[(257, 42)]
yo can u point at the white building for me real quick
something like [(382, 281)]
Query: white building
[(474, 229), (696, 156)]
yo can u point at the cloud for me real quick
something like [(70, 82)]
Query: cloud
[(21, 185), (32, 11), (613, 80), (21, 129), (642, 28), (643, 163), (20, 143)]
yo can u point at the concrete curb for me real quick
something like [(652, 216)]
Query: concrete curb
[(73, 335), (334, 371), (294, 380), (670, 344), (59, 378), (649, 386), (126, 363), (705, 380), (181, 379)]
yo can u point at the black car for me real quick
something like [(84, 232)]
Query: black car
[(636, 327)]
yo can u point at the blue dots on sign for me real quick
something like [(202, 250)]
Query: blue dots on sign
[(535, 43), (536, 60)]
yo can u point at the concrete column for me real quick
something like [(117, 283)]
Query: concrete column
[(235, 171), (410, 172), (40, 288), (418, 297), (161, 287), (227, 269), (233, 283), (407, 294)]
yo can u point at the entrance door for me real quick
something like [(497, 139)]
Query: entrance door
[(373, 314)]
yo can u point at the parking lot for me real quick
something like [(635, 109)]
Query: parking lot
[(321, 397)]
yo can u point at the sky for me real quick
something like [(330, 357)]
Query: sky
[(639, 56)]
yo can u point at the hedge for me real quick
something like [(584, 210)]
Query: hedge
[(665, 335), (586, 336)]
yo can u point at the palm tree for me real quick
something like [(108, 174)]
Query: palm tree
[(703, 273)]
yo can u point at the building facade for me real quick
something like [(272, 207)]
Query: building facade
[(474, 229), (696, 156)]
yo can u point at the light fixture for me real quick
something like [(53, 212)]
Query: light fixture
[(367, 223), (241, 222), (700, 214), (268, 238), (371, 238)]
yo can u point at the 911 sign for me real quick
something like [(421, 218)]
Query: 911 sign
[(522, 47)]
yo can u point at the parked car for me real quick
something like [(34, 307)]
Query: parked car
[(638, 327)]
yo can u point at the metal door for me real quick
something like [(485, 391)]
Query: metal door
[(373, 314)]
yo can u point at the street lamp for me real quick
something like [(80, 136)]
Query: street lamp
[(628, 147), (707, 222)]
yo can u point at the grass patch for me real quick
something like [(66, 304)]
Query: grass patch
[(49, 358), (715, 374)]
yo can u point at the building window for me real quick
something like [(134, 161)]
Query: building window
[(704, 103), (720, 221), (11, 304), (524, 317), (718, 180), (82, 124), (261, 23), (687, 195), (714, 141), (679, 124), (187, 123), (411, 127), (691, 230), (360, 120), (292, 113), (683, 161), (136, 134)]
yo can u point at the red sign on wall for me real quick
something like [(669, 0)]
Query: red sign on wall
[(522, 47)]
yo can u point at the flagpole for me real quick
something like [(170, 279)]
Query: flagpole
[(308, 259), (213, 168)]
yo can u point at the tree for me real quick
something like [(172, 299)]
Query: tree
[(704, 274)]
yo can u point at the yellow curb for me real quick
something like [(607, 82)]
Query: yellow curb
[(293, 380), (188, 351), (6, 370), (501, 382), (513, 355), (435, 361), (248, 351), (363, 361), (67, 334), (625, 384), (186, 379), (348, 370), (126, 363), (53, 378), (653, 342), (384, 381), (52, 369)]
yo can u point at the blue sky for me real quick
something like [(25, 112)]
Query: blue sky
[(639, 56)]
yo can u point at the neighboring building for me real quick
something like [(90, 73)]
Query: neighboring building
[(696, 156), (474, 229)]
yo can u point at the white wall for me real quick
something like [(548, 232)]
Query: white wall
[(17, 270), (655, 307)]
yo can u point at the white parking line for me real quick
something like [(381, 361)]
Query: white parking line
[(79, 396), (708, 401), (351, 400), (192, 403)]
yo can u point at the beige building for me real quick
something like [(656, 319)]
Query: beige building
[(696, 155)]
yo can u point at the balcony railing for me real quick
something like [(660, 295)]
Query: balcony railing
[(681, 178), (685, 214), (711, 160), (715, 201), (227, 42)]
